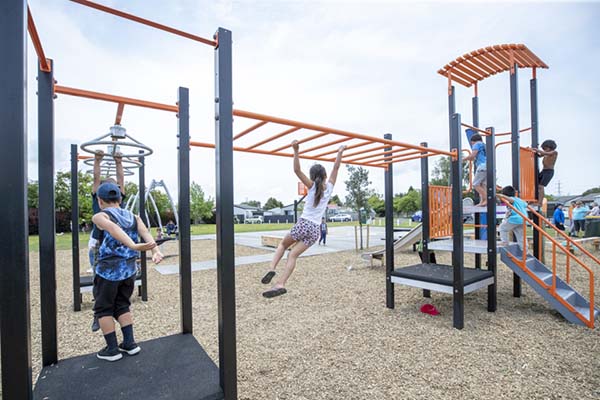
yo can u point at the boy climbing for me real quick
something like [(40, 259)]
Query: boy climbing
[(549, 154), (479, 157)]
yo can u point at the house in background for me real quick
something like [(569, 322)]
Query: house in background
[(243, 211)]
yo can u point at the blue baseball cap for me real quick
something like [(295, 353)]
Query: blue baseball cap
[(109, 191)]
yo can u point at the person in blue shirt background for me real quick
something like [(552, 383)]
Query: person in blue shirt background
[(579, 213), (558, 219), (323, 228), (479, 157), (512, 222)]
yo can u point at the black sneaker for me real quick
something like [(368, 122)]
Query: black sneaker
[(109, 354), (131, 348), (95, 325)]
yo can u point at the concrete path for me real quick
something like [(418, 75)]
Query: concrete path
[(339, 239)]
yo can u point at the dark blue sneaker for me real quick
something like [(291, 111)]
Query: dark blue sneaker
[(109, 354), (95, 325), (130, 348)]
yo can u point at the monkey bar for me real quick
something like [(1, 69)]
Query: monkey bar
[(380, 151)]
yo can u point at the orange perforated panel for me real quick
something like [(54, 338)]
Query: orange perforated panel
[(440, 211), (528, 179)]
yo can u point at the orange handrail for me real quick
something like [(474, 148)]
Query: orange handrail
[(510, 133), (144, 21), (502, 143), (555, 244)]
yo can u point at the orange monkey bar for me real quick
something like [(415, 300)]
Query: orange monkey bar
[(380, 153), (114, 99), (477, 65), (144, 21), (483, 132), (37, 44)]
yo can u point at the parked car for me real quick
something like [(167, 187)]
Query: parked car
[(340, 218), (254, 220), (417, 216)]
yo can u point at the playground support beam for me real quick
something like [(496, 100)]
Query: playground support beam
[(491, 219), (74, 228), (458, 305), (425, 214), (389, 229), (46, 218), (15, 322), (224, 217), (475, 108), (185, 251), (144, 217), (515, 148), (534, 145)]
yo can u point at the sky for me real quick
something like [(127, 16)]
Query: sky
[(366, 67)]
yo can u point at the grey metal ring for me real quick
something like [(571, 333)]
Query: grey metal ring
[(109, 163), (146, 151)]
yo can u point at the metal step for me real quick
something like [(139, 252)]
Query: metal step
[(567, 295)]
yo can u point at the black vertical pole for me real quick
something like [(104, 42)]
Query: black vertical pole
[(185, 250), (75, 229), (457, 225), (47, 224), (389, 229), (491, 216), (224, 201), (295, 211), (515, 149), (144, 217), (475, 107), (425, 214), (15, 323), (534, 145)]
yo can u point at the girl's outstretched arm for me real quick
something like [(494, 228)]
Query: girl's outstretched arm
[(336, 165), (303, 178)]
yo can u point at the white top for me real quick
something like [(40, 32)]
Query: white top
[(312, 213)]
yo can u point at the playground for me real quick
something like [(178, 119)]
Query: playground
[(332, 330), (501, 306)]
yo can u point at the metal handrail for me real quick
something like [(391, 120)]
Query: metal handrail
[(555, 244)]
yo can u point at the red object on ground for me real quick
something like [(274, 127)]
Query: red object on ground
[(429, 309)]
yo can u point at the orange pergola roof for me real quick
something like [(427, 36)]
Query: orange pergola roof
[(477, 65), (320, 143)]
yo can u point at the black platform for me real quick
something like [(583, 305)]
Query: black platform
[(169, 368), (440, 277)]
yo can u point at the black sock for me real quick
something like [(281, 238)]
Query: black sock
[(111, 340), (127, 334)]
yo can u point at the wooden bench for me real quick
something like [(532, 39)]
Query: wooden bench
[(272, 241)]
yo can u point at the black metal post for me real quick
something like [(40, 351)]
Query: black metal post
[(46, 218), (475, 107), (144, 217), (491, 217), (389, 229), (185, 250), (15, 323), (75, 229), (295, 211), (534, 144), (426, 212), (224, 201), (515, 149), (458, 306)]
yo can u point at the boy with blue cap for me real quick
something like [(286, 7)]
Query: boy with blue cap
[(116, 269)]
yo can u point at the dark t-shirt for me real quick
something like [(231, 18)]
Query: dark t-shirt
[(97, 233)]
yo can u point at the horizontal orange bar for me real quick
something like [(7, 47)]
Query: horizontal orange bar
[(283, 121), (482, 131), (270, 139), (401, 157), (253, 127), (308, 139), (510, 133), (115, 99), (144, 21), (356, 153), (37, 43), (387, 154), (322, 146), (289, 155), (82, 157), (352, 146)]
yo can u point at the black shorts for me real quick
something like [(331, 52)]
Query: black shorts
[(560, 226), (112, 297), (579, 225), (545, 176)]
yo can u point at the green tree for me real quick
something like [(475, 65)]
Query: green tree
[(272, 202), (377, 204), (357, 187), (590, 191), (32, 194), (162, 204), (200, 208), (441, 173), (336, 200), (252, 203), (410, 202)]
